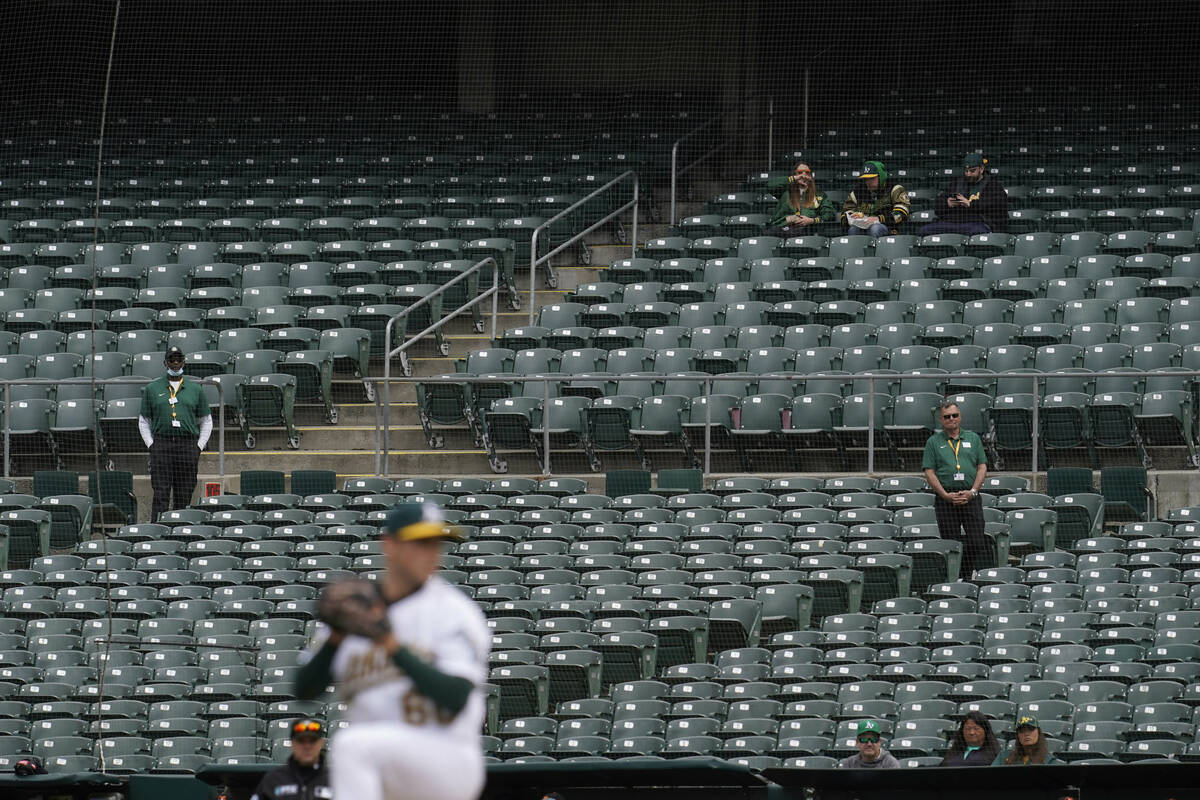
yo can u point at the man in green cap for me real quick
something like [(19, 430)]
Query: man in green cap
[(972, 203), (871, 754), (875, 208)]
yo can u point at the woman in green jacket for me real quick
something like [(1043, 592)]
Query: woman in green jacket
[(801, 206)]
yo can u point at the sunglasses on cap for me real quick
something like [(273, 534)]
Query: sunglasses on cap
[(869, 738), (312, 728), (949, 416)]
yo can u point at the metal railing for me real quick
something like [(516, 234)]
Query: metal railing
[(677, 170), (807, 78), (540, 387), (401, 350), (535, 259), (6, 388)]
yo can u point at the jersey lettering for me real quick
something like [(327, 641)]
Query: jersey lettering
[(442, 628), (420, 710)]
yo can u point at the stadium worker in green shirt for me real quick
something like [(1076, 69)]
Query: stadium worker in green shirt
[(175, 423), (801, 207), (955, 467)]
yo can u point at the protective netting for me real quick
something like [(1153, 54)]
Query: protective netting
[(267, 183)]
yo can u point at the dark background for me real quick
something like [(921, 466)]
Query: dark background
[(279, 59)]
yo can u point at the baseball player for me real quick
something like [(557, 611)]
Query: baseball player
[(408, 654)]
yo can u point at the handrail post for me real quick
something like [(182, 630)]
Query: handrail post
[(870, 425), (387, 424), (495, 296), (708, 387), (804, 135), (533, 261), (770, 130), (674, 161), (637, 201), (378, 426), (221, 434), (1034, 438), (7, 427), (545, 427)]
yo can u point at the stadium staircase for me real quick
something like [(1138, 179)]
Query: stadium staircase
[(348, 447)]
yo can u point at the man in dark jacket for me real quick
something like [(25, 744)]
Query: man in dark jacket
[(304, 776), (972, 203)]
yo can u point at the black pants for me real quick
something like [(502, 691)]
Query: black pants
[(173, 461), (965, 524)]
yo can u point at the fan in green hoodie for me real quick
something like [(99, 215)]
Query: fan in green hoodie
[(889, 205), (801, 206)]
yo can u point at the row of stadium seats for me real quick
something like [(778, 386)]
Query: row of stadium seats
[(925, 301), (154, 264), (892, 262), (941, 245), (434, 242), (954, 348), (920, 310), (52, 353), (337, 234), (221, 275), (710, 353), (177, 308), (373, 219), (930, 321), (293, 193), (776, 429), (296, 194), (921, 300), (293, 187)]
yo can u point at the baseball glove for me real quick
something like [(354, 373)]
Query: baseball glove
[(354, 607)]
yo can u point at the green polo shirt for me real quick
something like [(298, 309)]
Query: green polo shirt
[(190, 408), (940, 457)]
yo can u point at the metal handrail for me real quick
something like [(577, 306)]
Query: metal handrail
[(676, 170), (7, 384), (493, 293), (770, 131), (870, 377), (535, 259)]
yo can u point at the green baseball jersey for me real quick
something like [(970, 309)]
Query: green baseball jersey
[(954, 461), (189, 408)]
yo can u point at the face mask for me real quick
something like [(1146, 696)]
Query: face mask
[(175, 373)]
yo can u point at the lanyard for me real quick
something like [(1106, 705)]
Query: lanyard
[(955, 448), (174, 391)]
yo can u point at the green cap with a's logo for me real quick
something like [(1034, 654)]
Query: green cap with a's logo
[(868, 726), (412, 521), (1028, 721)]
